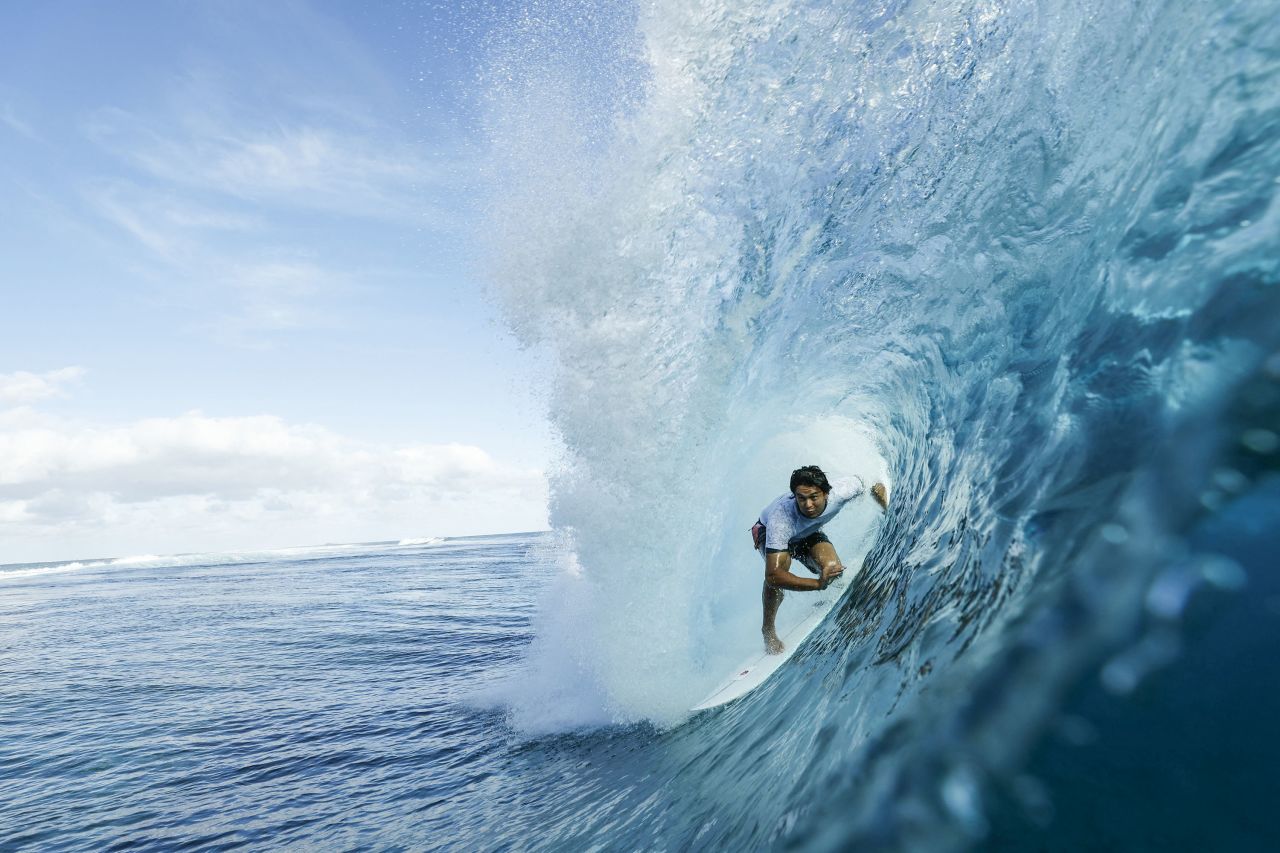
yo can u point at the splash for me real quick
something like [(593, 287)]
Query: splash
[(1018, 259)]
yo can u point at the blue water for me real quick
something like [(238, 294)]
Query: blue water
[(312, 698), (1019, 260)]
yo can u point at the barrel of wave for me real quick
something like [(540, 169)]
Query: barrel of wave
[(841, 446)]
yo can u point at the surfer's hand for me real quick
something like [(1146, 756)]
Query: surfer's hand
[(829, 573), (881, 494)]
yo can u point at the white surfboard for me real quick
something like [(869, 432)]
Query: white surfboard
[(756, 669)]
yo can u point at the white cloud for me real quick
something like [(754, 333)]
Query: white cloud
[(239, 290), (175, 229), (233, 459), (277, 295), (24, 387), (223, 205), (196, 481), (142, 221), (350, 171)]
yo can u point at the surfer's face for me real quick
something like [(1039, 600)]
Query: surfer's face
[(810, 500)]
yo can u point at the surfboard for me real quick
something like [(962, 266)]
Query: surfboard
[(755, 670)]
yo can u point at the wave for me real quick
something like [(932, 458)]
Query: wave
[(1018, 259), (219, 558)]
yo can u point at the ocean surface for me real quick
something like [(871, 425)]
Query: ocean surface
[(311, 699), (1018, 260)]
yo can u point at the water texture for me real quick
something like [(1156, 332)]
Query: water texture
[(306, 699), (1019, 260)]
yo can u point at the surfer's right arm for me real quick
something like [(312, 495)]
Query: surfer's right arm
[(777, 572)]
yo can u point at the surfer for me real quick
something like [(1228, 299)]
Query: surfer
[(791, 526)]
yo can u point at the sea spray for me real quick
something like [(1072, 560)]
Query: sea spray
[(1026, 251)]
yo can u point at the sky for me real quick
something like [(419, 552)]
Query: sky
[(243, 304)]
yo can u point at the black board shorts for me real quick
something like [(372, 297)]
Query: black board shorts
[(799, 549)]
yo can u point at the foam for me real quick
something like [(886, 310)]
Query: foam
[(203, 559)]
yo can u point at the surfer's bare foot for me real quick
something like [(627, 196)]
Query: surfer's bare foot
[(772, 645)]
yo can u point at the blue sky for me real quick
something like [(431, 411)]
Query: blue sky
[(241, 299)]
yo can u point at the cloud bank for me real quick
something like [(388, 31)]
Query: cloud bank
[(197, 482)]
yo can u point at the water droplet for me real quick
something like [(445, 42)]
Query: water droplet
[(1168, 596), (1230, 480), (1223, 572), (1211, 500), (1115, 534), (1120, 676), (960, 795), (1260, 440), (1125, 671)]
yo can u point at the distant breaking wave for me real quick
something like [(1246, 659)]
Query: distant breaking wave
[(22, 570)]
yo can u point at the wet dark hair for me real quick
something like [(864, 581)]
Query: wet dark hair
[(810, 475)]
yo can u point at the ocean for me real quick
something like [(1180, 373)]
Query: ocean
[(1018, 260), (312, 698)]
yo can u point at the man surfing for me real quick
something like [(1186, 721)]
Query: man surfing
[(791, 526)]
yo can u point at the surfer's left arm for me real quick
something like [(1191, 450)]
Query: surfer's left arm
[(881, 495)]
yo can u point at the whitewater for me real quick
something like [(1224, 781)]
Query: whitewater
[(1019, 260)]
